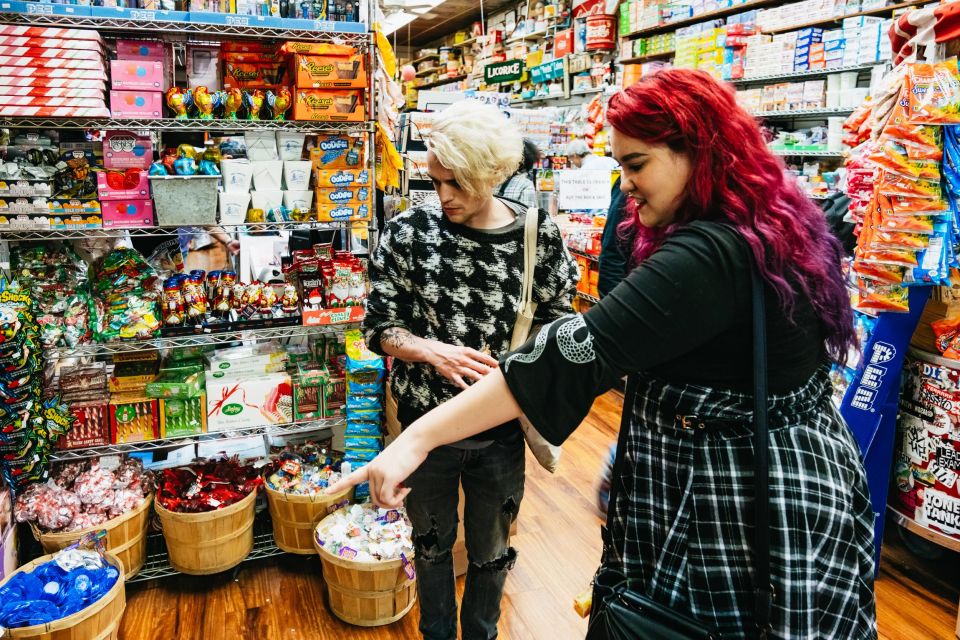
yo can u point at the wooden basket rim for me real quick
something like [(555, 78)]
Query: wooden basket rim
[(396, 563), (206, 515), (305, 498), (73, 618), (109, 525)]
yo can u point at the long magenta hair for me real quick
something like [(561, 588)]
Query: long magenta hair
[(735, 178)]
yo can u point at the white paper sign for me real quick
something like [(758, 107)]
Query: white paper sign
[(942, 510), (583, 190)]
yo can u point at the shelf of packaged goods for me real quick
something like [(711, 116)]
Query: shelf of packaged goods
[(431, 56), (286, 429), (536, 35), (430, 85), (587, 92), (802, 113), (187, 341), (157, 564), (582, 254), (426, 72), (805, 75), (703, 17), (173, 124), (807, 154), (587, 297), (23, 235), (538, 99), (649, 57), (927, 534), (153, 24), (835, 19)]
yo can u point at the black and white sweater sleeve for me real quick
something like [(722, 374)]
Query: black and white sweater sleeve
[(556, 274), (390, 301)]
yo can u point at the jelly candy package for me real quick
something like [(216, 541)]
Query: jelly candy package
[(876, 297), (934, 92)]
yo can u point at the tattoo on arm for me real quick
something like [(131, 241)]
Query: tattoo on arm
[(396, 338)]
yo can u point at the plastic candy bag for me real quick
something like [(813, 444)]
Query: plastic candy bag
[(934, 92)]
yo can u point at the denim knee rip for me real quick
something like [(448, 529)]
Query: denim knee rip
[(427, 545), (503, 563)]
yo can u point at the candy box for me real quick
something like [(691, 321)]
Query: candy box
[(127, 213), (183, 417), (136, 75), (252, 75), (329, 105), (120, 186), (91, 427), (133, 418), (335, 151), (140, 50), (236, 362), (125, 150), (336, 396), (340, 72), (342, 212), (343, 195), (182, 383), (136, 104), (247, 402), (343, 179)]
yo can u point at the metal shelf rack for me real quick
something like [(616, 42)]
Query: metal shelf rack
[(184, 342), (663, 55), (14, 234), (807, 154), (801, 113), (587, 297), (286, 429), (173, 124), (794, 75), (441, 82), (588, 256), (151, 23)]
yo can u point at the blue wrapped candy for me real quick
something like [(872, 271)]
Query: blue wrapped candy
[(69, 583)]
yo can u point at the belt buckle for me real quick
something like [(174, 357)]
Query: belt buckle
[(690, 423)]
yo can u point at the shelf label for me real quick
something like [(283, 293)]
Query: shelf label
[(238, 21), (581, 190), (143, 15), (503, 72), (547, 71), (38, 9), (324, 25)]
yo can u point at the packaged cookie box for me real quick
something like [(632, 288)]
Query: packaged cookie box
[(329, 105), (330, 72)]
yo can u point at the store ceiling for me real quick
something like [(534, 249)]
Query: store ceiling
[(445, 19)]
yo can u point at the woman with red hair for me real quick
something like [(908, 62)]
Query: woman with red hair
[(709, 206)]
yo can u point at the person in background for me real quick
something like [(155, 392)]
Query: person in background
[(446, 290), (519, 187), (580, 157), (711, 209)]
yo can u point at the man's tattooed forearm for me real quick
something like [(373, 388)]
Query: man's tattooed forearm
[(396, 338)]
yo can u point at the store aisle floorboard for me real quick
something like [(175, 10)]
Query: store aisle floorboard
[(559, 545)]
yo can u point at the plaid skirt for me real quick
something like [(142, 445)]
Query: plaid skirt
[(682, 523)]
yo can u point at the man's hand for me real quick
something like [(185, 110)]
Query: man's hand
[(457, 364)]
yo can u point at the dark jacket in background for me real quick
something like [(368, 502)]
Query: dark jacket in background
[(613, 263)]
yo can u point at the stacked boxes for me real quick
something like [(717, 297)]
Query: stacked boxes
[(51, 72), (330, 82), (363, 438), (84, 389), (181, 393), (784, 96), (866, 40), (344, 190), (133, 415), (247, 387), (137, 80), (808, 49), (125, 198)]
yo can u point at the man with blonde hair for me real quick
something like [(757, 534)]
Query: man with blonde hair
[(446, 289)]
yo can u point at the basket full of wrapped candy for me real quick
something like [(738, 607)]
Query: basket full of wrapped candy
[(367, 559), (72, 595), (86, 497), (295, 484), (206, 511)]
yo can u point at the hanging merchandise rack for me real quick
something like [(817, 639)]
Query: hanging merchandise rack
[(172, 124), (160, 230)]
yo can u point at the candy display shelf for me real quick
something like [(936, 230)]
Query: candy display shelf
[(588, 256), (438, 83), (800, 113), (158, 561), (85, 234), (807, 154), (828, 21), (536, 35), (587, 92), (663, 55), (155, 24), (286, 429), (703, 17), (589, 298), (431, 56), (173, 124), (795, 75), (187, 341)]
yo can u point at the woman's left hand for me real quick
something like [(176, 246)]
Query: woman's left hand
[(386, 473)]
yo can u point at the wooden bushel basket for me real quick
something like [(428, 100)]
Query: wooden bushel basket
[(99, 621), (295, 517), (366, 594), (209, 542), (126, 537)]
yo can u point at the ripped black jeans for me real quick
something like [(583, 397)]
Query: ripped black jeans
[(492, 480)]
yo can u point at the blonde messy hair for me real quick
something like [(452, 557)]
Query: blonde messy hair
[(477, 143)]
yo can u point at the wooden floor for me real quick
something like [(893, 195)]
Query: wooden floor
[(559, 545)]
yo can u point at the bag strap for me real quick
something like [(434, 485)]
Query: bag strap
[(503, 186), (763, 589), (531, 223)]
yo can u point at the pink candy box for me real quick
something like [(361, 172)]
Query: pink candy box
[(125, 150), (127, 213), (139, 192), (136, 104), (136, 75), (139, 50)]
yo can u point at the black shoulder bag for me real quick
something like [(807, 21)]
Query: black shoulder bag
[(619, 612)]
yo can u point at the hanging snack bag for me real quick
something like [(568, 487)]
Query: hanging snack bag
[(934, 92)]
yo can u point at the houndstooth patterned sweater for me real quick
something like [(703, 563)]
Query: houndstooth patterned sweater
[(447, 282)]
